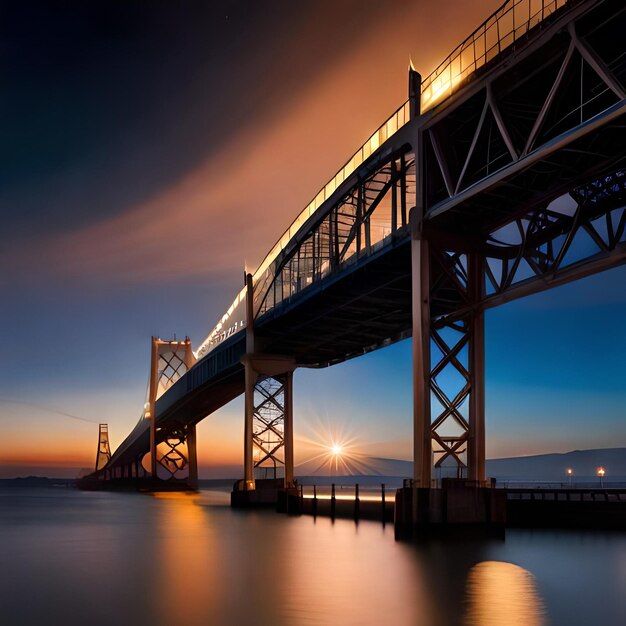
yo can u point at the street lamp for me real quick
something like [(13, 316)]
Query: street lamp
[(601, 472), (570, 471)]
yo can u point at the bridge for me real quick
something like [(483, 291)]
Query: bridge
[(502, 175)]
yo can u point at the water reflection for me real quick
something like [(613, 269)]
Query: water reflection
[(344, 573), (221, 566), (186, 584), (76, 558), (502, 593)]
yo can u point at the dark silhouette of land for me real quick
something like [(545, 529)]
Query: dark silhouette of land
[(543, 468)]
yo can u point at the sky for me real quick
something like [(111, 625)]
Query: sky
[(152, 150)]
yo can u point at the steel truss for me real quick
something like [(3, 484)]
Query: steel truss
[(559, 243), (367, 218), (268, 429), (173, 452), (518, 133), (173, 445), (455, 368), (172, 363), (506, 214), (578, 234)]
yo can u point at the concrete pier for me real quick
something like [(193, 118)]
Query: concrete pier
[(457, 506), (265, 494)]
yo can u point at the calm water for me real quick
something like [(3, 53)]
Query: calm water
[(89, 559)]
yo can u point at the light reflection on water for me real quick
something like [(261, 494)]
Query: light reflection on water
[(81, 559), (502, 593), (186, 581)]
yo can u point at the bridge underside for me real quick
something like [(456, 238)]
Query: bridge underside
[(369, 306), (362, 309)]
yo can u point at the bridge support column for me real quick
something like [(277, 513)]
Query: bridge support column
[(457, 376), (192, 456), (476, 323), (422, 449), (288, 429), (268, 417), (454, 385), (248, 445), (250, 381), (173, 456), (268, 420), (154, 384)]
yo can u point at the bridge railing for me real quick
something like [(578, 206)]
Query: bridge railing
[(232, 320), (502, 29), (371, 215), (398, 119)]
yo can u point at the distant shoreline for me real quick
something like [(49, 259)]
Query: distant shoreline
[(532, 470)]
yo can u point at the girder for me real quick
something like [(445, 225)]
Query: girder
[(577, 235)]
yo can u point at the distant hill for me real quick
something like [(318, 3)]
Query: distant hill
[(36, 482), (553, 467), (542, 467)]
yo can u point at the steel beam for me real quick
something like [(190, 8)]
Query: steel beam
[(476, 440), (250, 381), (192, 455), (248, 461), (421, 352), (154, 382), (288, 429)]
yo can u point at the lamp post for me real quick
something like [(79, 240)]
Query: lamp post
[(570, 471), (601, 472)]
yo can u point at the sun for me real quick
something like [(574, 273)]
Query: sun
[(334, 448)]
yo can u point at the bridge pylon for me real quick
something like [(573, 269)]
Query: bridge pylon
[(448, 391), (448, 362), (103, 455), (173, 455), (268, 416)]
